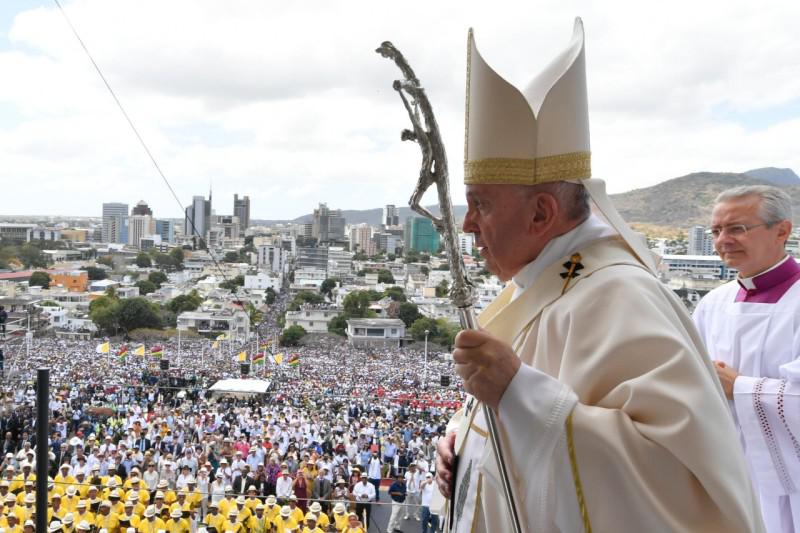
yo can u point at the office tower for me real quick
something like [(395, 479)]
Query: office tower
[(241, 209), (115, 226), (391, 216), (420, 235)]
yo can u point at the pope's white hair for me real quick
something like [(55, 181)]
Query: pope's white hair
[(775, 207)]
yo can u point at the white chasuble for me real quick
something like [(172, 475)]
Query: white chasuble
[(616, 357), (756, 331)]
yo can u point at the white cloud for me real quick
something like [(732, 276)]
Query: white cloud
[(288, 103)]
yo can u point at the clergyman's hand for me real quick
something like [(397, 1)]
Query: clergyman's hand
[(445, 453), (486, 364), (727, 376)]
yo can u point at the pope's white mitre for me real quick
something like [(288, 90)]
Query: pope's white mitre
[(536, 135)]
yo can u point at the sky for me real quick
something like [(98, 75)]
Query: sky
[(286, 102)]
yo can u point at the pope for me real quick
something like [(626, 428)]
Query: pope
[(611, 415)]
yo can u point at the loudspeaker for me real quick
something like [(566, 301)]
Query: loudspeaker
[(163, 364), (444, 380), (244, 368)]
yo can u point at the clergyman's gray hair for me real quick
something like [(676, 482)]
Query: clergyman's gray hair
[(572, 197), (776, 205)]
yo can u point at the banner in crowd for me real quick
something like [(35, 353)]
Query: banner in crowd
[(157, 351), (104, 348)]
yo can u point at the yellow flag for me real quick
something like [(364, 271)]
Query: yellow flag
[(104, 348), (222, 337), (215, 345), (243, 356), (139, 350), (278, 358)]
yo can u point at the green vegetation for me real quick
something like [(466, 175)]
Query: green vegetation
[(292, 335), (145, 287), (40, 279), (95, 273), (355, 305), (184, 302), (233, 284), (111, 314), (440, 331), (384, 276), (143, 260), (408, 313), (305, 297)]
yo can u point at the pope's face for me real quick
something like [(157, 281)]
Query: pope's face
[(759, 248), (496, 216)]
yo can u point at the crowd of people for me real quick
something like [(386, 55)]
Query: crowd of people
[(134, 447)]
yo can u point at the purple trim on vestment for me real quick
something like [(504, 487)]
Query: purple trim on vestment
[(772, 285)]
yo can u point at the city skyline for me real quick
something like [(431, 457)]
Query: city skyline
[(291, 106)]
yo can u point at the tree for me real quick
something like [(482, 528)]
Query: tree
[(232, 284), (49, 303), (135, 313), (391, 257), (143, 260), (384, 276), (95, 273), (103, 312), (422, 324), (356, 305), (412, 256), (291, 336), (269, 296), (231, 257), (145, 287), (106, 260), (32, 257), (184, 302), (408, 313), (338, 325), (360, 256), (167, 261), (177, 255), (255, 315), (327, 286), (446, 333), (442, 288), (305, 297), (157, 278), (395, 293), (40, 279)]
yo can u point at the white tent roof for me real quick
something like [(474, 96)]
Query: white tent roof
[(240, 386)]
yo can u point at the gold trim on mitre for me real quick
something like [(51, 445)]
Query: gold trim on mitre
[(508, 171)]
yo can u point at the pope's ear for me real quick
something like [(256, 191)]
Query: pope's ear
[(544, 211)]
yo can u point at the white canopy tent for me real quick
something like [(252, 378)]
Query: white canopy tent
[(239, 387)]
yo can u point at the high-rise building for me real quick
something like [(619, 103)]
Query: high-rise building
[(115, 227), (328, 225), (141, 208), (272, 257), (241, 209), (700, 241), (361, 239), (166, 228), (391, 216), (312, 257), (140, 226), (420, 235), (466, 241), (197, 222)]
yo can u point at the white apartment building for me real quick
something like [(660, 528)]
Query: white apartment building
[(376, 332), (313, 319)]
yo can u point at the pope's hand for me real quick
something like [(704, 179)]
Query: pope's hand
[(444, 463), (486, 365), (727, 376)]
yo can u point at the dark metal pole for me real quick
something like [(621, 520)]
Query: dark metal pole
[(42, 446)]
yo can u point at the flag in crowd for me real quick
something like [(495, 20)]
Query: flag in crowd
[(157, 351), (258, 359), (104, 348), (222, 337), (278, 358), (122, 353), (242, 356), (215, 345), (139, 350), (294, 360), (266, 344)]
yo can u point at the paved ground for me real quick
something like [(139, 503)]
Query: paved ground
[(380, 518)]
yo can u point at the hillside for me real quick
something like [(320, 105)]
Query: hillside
[(685, 201), (677, 203)]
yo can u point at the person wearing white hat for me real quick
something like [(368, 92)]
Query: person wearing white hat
[(54, 526), (106, 519), (598, 436), (284, 521), (259, 522), (214, 518), (151, 522), (83, 525), (321, 518), (430, 520), (232, 522), (82, 512), (339, 516), (177, 524)]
